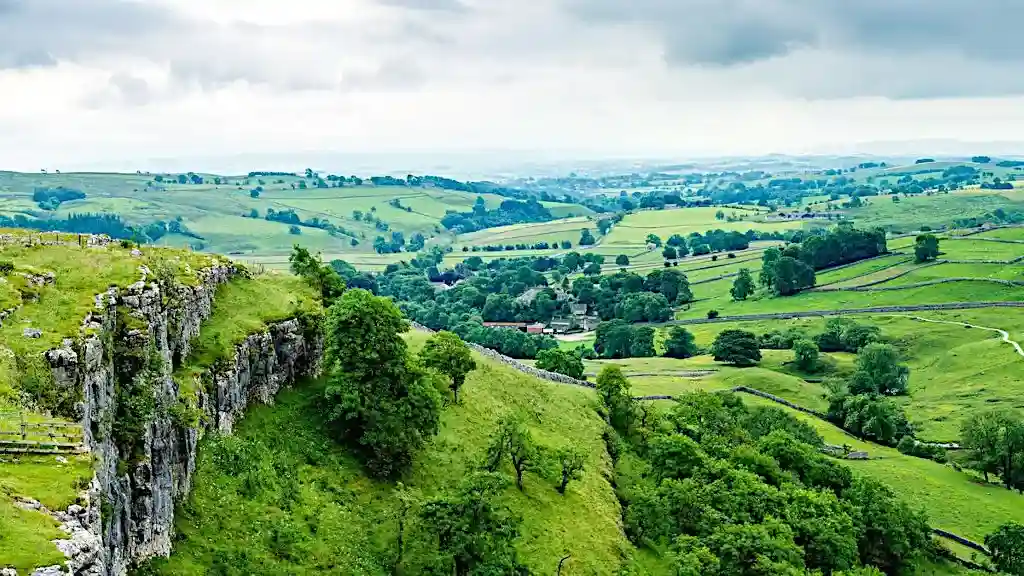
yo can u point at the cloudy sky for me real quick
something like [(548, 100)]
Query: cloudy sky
[(110, 83)]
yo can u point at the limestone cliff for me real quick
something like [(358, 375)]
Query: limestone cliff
[(143, 436)]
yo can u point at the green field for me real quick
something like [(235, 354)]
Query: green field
[(912, 212), (219, 213), (554, 231), (860, 269), (1013, 272), (1003, 234), (970, 291), (968, 249), (635, 227)]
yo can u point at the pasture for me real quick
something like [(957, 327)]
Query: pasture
[(635, 227), (912, 212)]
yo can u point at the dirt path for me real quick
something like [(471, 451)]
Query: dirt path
[(1003, 333)]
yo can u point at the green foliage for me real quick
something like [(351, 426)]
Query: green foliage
[(565, 362), (845, 335), (617, 339), (805, 355), (6, 267), (879, 371), (614, 391), (926, 247), (377, 397), (994, 440), (450, 356), (873, 417), (474, 535), (743, 286), (680, 343), (514, 440), (622, 260), (730, 490), (572, 462), (736, 347), (790, 276), (321, 277), (1006, 546)]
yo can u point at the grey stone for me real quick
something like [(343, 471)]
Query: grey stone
[(32, 333), (8, 572), (50, 571), (27, 504)]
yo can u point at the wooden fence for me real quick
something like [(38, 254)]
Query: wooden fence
[(20, 435)]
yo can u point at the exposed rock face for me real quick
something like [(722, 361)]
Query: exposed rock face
[(136, 338)]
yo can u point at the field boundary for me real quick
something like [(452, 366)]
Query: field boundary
[(874, 286), (869, 310)]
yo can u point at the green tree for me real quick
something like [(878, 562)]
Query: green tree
[(375, 396), (323, 278), (613, 339), (572, 461), (622, 260), (1006, 546), (449, 355), (926, 247), (680, 343), (676, 240), (514, 440), (769, 260), (737, 347), (791, 276), (995, 444), (643, 342), (879, 371), (653, 239), (805, 354), (743, 286), (473, 534), (592, 269), (587, 238), (669, 253), (561, 361), (616, 397)]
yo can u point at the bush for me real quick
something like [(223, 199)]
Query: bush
[(6, 267), (736, 347), (731, 255), (712, 314)]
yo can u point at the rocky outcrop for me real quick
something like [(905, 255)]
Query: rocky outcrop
[(142, 428)]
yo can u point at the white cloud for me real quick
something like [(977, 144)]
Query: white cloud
[(109, 83)]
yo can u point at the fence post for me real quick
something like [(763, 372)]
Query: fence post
[(24, 427)]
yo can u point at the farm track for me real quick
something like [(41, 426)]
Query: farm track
[(1005, 335)]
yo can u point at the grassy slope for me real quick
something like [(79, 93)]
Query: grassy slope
[(354, 516), (937, 210), (243, 307), (25, 535), (217, 212)]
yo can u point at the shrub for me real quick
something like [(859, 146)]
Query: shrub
[(712, 314), (6, 267)]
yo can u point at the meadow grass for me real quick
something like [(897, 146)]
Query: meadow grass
[(910, 213), (968, 249), (635, 227), (1003, 234), (555, 231), (976, 291), (860, 269), (25, 535), (243, 307), (347, 522), (952, 270)]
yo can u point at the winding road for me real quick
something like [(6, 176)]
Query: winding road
[(1004, 333)]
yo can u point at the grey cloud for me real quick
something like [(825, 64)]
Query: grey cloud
[(42, 32), (728, 32)]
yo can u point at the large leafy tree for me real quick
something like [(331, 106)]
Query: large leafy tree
[(680, 343), (737, 347), (1006, 546), (994, 441), (449, 355), (473, 535), (879, 371), (805, 354), (791, 276), (377, 397), (926, 247), (565, 362), (743, 286), (614, 390)]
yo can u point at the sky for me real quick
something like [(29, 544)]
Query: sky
[(128, 84)]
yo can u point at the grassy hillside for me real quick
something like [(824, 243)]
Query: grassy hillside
[(220, 213), (635, 227), (305, 507)]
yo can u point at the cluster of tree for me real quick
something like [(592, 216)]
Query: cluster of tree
[(396, 243), (110, 224), (568, 362), (926, 247), (784, 272), (618, 339), (728, 489), (861, 406), (564, 245), (997, 184), (632, 297), (509, 212), (154, 231), (290, 217), (841, 245), (267, 174), (51, 198)]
